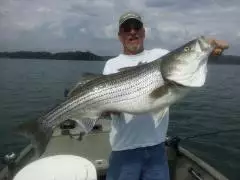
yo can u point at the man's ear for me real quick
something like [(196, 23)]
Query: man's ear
[(119, 37), (144, 32)]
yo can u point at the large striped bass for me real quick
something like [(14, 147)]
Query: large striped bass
[(146, 88)]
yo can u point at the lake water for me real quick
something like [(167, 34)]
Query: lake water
[(30, 87)]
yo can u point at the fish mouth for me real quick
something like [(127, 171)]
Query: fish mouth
[(204, 44)]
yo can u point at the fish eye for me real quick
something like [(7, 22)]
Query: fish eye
[(186, 49)]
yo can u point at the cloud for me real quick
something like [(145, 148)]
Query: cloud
[(43, 10), (59, 25)]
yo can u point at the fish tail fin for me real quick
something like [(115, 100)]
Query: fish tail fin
[(38, 135)]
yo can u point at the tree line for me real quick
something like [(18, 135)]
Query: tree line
[(77, 55), (88, 56)]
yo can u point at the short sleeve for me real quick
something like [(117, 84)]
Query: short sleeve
[(106, 69)]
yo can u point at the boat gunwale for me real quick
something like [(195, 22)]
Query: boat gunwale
[(204, 165)]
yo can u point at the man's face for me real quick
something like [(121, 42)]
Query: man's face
[(131, 35)]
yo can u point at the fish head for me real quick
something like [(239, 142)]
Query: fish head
[(181, 63), (194, 50)]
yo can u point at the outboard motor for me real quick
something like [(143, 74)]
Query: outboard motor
[(58, 167)]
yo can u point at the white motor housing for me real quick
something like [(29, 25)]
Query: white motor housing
[(58, 167)]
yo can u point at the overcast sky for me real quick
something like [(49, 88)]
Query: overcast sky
[(61, 25)]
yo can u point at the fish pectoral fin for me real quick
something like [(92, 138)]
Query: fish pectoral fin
[(86, 77), (159, 92), (164, 89), (38, 135)]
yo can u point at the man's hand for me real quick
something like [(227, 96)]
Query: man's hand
[(220, 46)]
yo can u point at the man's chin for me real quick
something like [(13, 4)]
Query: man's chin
[(133, 48)]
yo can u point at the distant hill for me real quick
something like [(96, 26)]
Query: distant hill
[(78, 55), (224, 59)]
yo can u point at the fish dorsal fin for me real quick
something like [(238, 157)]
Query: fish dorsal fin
[(86, 77), (131, 67), (126, 68)]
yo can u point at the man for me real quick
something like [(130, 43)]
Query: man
[(137, 144)]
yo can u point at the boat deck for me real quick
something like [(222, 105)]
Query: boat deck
[(95, 146)]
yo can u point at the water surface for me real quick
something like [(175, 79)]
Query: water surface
[(28, 88)]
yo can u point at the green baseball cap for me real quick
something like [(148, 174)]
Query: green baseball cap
[(129, 15)]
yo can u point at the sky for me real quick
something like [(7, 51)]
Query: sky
[(92, 25)]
